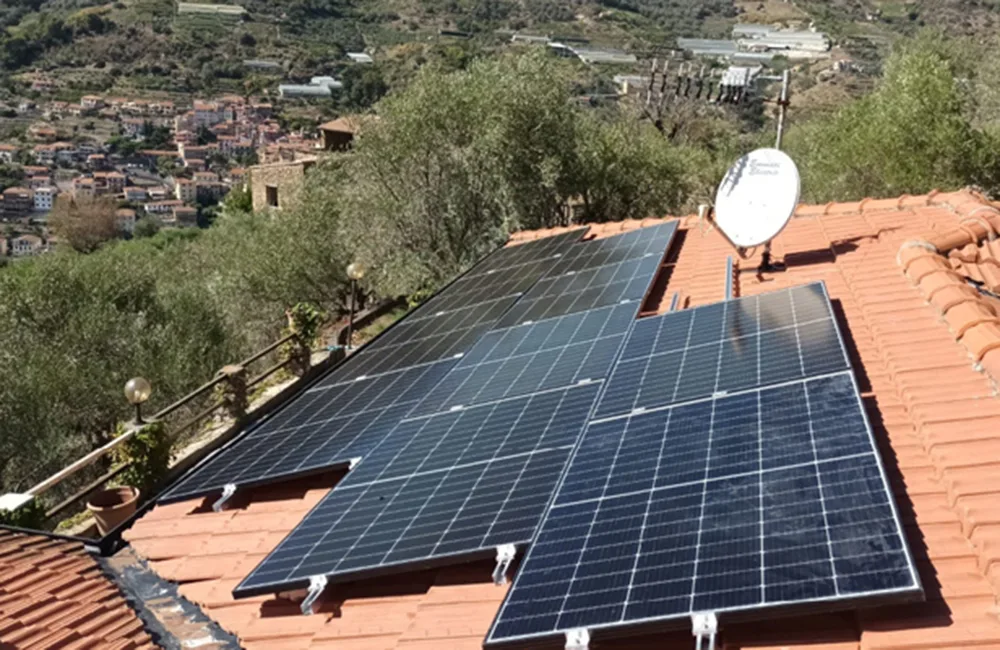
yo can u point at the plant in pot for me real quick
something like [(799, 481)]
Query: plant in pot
[(146, 456)]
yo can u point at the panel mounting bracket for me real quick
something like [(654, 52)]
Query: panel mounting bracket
[(316, 586), (505, 555), (227, 493), (578, 639), (353, 462), (704, 624)]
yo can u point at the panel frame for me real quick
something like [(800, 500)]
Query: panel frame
[(608, 631)]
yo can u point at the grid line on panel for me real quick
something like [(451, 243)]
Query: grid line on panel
[(822, 500), (798, 339), (704, 500), (677, 382), (520, 475), (735, 475), (649, 505)]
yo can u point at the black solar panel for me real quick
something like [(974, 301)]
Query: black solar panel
[(330, 426), (533, 251), (612, 250), (766, 495), (535, 357), (456, 484), (350, 409), (601, 273)]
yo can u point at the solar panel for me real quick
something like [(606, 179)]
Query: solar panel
[(539, 249), (768, 495), (455, 484), (725, 347), (601, 273), (534, 357), (350, 409), (331, 425)]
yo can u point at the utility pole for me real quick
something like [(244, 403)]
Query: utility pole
[(782, 108)]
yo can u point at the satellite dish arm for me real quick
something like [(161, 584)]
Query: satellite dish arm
[(707, 213)]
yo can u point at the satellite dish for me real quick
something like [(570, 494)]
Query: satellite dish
[(757, 197)]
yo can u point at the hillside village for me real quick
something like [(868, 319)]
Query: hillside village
[(204, 156)]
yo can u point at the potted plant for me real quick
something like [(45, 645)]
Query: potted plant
[(146, 455)]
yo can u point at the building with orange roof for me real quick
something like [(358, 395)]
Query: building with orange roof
[(916, 294), (914, 286)]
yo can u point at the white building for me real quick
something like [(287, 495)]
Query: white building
[(26, 245), (360, 57), (45, 198)]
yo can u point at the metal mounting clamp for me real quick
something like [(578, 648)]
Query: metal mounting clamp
[(227, 493), (505, 555), (704, 624), (578, 639), (353, 462), (316, 586)]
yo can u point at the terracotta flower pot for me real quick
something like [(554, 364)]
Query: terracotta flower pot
[(112, 507)]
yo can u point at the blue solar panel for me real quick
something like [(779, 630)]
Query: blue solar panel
[(767, 495), (453, 485), (725, 347), (507, 415), (355, 405)]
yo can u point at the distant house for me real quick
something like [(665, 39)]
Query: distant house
[(185, 190), (157, 193), (25, 245), (338, 134), (360, 57), (7, 153), (261, 64), (17, 202), (289, 91), (109, 182), (125, 220), (185, 216), (135, 194), (45, 198), (277, 186), (91, 102), (206, 177), (163, 207), (238, 176), (34, 182), (211, 191), (42, 133), (97, 161), (84, 187)]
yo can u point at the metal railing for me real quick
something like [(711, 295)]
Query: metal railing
[(198, 405)]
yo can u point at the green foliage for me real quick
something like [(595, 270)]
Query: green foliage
[(31, 516), (628, 170), (148, 453), (146, 227), (460, 159), (911, 135), (363, 86), (239, 199), (304, 320)]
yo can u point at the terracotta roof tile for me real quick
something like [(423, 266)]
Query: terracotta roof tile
[(915, 329), (53, 594)]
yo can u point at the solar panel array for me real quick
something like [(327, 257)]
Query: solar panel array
[(475, 463), (348, 411), (758, 486)]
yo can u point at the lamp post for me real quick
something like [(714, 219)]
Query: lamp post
[(137, 391), (355, 271)]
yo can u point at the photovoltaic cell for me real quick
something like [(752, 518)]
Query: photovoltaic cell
[(456, 484), (768, 495)]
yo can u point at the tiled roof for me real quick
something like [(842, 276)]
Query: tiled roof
[(923, 347), (54, 595)]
